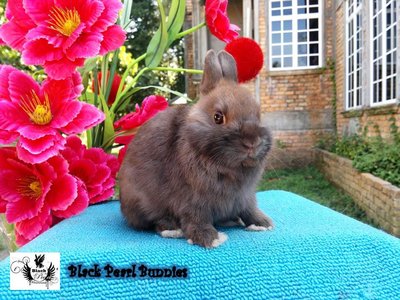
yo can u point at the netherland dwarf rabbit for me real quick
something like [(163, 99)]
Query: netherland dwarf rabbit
[(192, 167)]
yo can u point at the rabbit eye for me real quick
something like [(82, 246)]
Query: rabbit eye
[(219, 118)]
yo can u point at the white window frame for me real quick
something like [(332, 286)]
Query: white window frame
[(357, 10), (295, 17), (383, 57)]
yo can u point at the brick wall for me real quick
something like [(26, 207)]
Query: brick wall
[(351, 122), (378, 198), (297, 105)]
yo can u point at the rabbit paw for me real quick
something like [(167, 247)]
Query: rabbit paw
[(253, 227), (175, 234), (221, 238)]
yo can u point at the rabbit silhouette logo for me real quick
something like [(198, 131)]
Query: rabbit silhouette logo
[(32, 271)]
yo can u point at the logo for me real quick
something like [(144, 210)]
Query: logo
[(34, 271)]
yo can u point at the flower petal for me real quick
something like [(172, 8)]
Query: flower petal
[(5, 71), (37, 52), (21, 86), (7, 137), (63, 68), (80, 203), (25, 208), (89, 11), (124, 140), (109, 15), (34, 132), (67, 114), (87, 45), (37, 146), (39, 11), (3, 204), (13, 35), (107, 194), (31, 228), (66, 89), (12, 117), (88, 117), (114, 37), (62, 193)]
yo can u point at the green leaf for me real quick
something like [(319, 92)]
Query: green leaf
[(108, 124), (113, 69), (159, 42), (126, 13), (164, 89), (176, 18)]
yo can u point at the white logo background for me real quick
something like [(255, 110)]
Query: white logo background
[(35, 271)]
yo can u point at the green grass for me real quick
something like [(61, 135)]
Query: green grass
[(310, 183)]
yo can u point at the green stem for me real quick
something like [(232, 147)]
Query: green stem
[(192, 71), (190, 30), (121, 93)]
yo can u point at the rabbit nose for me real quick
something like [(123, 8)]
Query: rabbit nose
[(251, 145)]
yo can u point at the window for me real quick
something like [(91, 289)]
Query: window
[(295, 34), (353, 54), (384, 51)]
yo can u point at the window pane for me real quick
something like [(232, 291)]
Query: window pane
[(301, 2), (313, 2), (313, 48), (302, 49), (313, 23), (276, 12), (287, 12), (314, 36), (302, 24), (276, 26), (287, 37), (287, 62), (302, 11), (302, 61), (287, 3), (276, 4), (276, 38), (287, 50), (314, 61), (302, 36), (313, 10), (276, 62), (287, 25), (276, 50)]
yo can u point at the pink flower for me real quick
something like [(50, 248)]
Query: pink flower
[(31, 194), (150, 107), (93, 167), (61, 34), (38, 115), (218, 22)]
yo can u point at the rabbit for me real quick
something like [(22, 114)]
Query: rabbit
[(190, 168)]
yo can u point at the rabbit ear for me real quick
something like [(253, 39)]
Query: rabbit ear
[(212, 73), (228, 66)]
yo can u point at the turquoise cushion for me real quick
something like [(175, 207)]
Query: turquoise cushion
[(313, 253)]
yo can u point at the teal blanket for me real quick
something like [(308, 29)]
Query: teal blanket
[(313, 253)]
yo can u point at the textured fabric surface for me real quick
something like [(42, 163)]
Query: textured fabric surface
[(313, 253)]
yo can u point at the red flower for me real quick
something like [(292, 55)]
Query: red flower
[(150, 107), (32, 194), (38, 115), (94, 168), (218, 22), (61, 34), (248, 56), (114, 86)]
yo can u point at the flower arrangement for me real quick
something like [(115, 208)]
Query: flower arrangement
[(47, 172)]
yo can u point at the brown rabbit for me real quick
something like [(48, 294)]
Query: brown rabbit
[(192, 167)]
